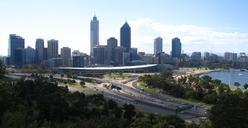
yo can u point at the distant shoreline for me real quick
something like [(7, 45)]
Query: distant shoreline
[(184, 72)]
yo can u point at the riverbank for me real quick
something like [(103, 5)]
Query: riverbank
[(183, 72)]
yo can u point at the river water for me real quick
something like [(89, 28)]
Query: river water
[(230, 77)]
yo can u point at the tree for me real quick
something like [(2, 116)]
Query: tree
[(2, 68), (141, 123), (230, 112), (245, 86), (129, 111), (170, 122), (237, 84)]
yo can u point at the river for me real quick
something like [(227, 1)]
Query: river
[(230, 77)]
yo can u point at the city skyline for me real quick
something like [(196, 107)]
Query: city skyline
[(209, 35)]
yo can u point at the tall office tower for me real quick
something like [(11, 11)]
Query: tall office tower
[(45, 54), (229, 56), (206, 56), (66, 56), (196, 56), (100, 54), (94, 34), (126, 58), (176, 48), (158, 45), (19, 57), (29, 55), (133, 54), (15, 42), (39, 49), (119, 51), (52, 48), (125, 37), (79, 59), (111, 44)]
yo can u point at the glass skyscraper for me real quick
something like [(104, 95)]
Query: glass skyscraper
[(94, 34), (16, 43), (176, 48), (125, 37), (39, 47)]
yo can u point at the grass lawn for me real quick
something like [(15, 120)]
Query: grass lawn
[(147, 89), (118, 75), (78, 86)]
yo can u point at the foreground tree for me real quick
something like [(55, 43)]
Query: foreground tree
[(245, 86), (2, 69), (230, 112)]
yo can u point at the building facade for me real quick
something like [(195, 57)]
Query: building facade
[(125, 37), (52, 48), (16, 43), (111, 44), (39, 49), (100, 54), (176, 48), (94, 34), (158, 45), (29, 55), (66, 56)]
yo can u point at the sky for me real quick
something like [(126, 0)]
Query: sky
[(202, 25)]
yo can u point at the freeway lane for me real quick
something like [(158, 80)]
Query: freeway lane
[(171, 104), (142, 100)]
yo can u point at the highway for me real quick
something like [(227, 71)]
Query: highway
[(150, 103), (158, 102)]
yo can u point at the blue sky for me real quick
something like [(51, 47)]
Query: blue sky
[(202, 25)]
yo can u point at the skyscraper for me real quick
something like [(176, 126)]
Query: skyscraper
[(29, 55), (79, 59), (16, 43), (111, 44), (39, 48), (94, 34), (119, 51), (66, 56), (100, 53), (158, 45), (176, 48), (52, 48), (125, 37)]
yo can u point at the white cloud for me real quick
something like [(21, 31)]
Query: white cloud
[(193, 38)]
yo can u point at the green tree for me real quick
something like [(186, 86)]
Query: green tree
[(141, 123), (2, 69), (230, 112), (245, 86), (129, 111)]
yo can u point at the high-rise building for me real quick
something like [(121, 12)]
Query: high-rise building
[(45, 54), (111, 44), (229, 56), (29, 55), (52, 48), (126, 58), (158, 45), (206, 56), (100, 54), (66, 56), (133, 54), (39, 48), (125, 37), (19, 57), (79, 59), (15, 42), (176, 48), (196, 56), (94, 34), (119, 51)]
